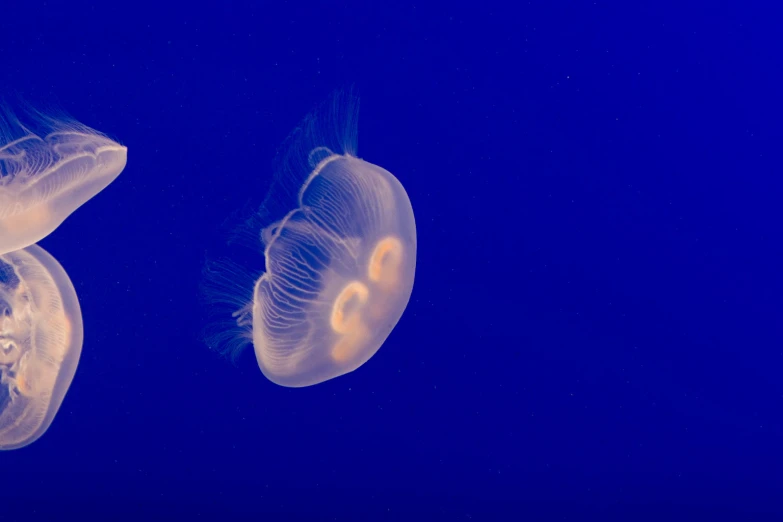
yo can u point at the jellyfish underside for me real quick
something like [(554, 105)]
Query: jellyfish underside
[(339, 273), (40, 343), (44, 179)]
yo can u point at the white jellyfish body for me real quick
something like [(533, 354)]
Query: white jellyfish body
[(340, 264), (43, 179), (40, 343)]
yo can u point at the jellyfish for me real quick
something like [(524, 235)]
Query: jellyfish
[(40, 343), (45, 176), (339, 263)]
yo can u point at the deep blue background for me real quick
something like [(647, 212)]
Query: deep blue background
[(594, 331)]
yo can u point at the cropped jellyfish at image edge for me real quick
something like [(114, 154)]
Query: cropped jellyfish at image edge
[(45, 176), (339, 241), (40, 343)]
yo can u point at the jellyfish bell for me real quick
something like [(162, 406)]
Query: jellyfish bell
[(40, 343), (48, 173), (339, 262)]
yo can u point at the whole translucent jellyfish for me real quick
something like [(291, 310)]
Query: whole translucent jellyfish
[(340, 263), (40, 343), (44, 177)]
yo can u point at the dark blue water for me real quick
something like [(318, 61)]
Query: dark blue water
[(594, 331)]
